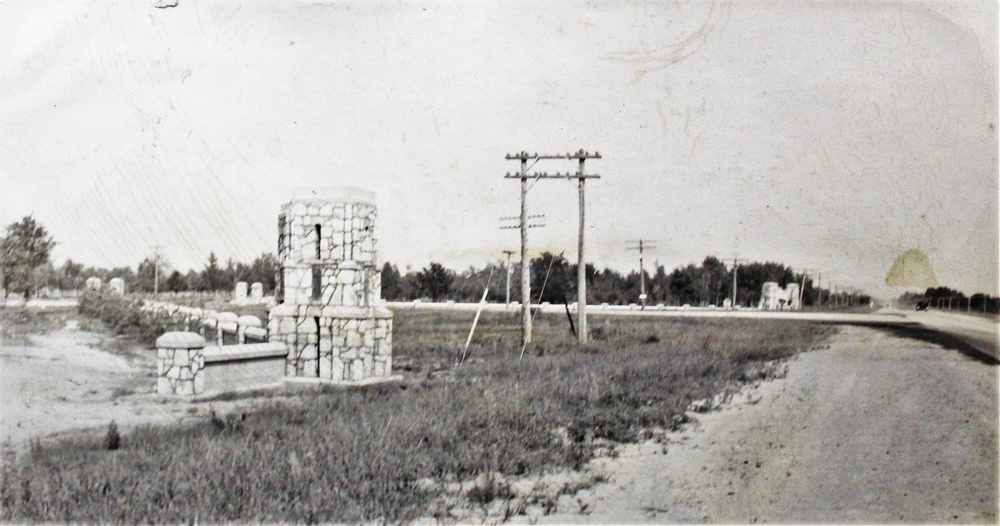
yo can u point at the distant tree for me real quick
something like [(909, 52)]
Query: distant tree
[(659, 287), (469, 285), (25, 247), (551, 272), (237, 271), (145, 275), (391, 279), (606, 286), (175, 282), (212, 277), (711, 281), (435, 281), (633, 287), (44, 277), (409, 286), (263, 269), (942, 292), (683, 283), (192, 280), (70, 275)]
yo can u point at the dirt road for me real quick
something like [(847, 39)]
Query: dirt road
[(62, 381), (874, 429)]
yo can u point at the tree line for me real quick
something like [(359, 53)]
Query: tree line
[(25, 267), (553, 280), (213, 276), (946, 297)]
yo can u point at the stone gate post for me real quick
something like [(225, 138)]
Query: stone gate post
[(181, 359)]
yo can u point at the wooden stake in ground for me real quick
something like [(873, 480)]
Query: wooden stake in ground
[(475, 321)]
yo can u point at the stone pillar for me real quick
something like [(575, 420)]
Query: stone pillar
[(228, 328), (331, 316), (244, 323), (180, 361), (240, 292), (117, 285), (257, 292), (94, 283)]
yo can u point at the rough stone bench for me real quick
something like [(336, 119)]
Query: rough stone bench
[(187, 367), (244, 366)]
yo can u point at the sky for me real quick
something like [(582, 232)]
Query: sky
[(827, 135)]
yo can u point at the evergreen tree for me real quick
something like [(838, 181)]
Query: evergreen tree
[(391, 279), (435, 281)]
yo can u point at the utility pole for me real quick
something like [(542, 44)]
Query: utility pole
[(581, 273), (819, 288), (641, 245), (156, 269), (525, 270), (525, 264), (802, 286), (509, 271)]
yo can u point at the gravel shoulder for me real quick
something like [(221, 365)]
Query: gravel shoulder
[(875, 428)]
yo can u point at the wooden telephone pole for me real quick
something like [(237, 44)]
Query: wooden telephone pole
[(642, 244), (523, 237), (156, 269), (581, 273), (802, 287)]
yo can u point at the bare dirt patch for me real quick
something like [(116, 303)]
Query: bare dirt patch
[(56, 379), (62, 380), (875, 428)]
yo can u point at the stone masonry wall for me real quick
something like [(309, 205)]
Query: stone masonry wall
[(346, 283), (349, 344), (347, 252)]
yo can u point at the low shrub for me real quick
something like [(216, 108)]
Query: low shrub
[(124, 315)]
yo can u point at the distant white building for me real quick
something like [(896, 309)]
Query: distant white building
[(773, 297)]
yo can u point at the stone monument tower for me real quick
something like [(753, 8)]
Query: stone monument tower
[(330, 314)]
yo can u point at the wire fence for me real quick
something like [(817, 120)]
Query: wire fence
[(975, 304)]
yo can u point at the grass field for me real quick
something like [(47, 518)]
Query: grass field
[(367, 454)]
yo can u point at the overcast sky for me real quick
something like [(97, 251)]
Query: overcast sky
[(828, 135)]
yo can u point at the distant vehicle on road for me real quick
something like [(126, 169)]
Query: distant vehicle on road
[(923, 304)]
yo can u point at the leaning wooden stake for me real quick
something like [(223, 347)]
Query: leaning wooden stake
[(482, 303)]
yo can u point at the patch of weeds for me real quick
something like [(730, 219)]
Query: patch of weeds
[(229, 423), (112, 438), (359, 455)]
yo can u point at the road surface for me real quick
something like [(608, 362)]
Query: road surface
[(876, 428)]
